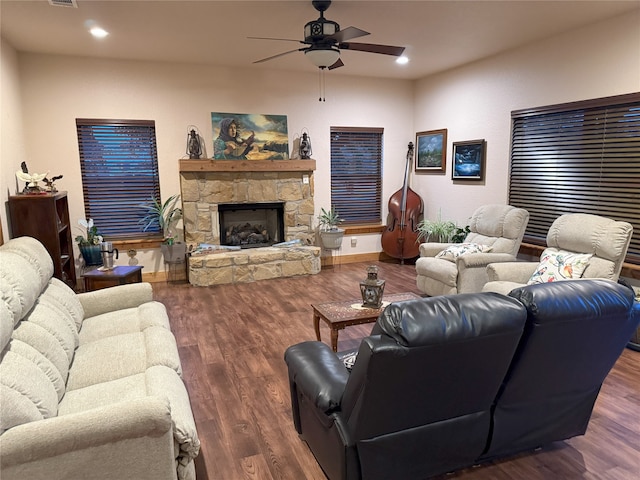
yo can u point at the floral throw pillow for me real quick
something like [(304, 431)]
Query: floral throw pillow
[(559, 265), (458, 249)]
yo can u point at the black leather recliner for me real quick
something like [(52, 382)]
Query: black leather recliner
[(446, 382), (418, 400), (575, 332)]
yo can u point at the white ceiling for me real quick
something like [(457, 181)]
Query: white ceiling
[(438, 35)]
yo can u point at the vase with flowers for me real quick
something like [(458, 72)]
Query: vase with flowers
[(89, 243)]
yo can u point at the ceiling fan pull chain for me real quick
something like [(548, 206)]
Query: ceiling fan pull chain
[(322, 85)]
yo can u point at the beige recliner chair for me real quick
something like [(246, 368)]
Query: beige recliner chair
[(579, 245), (496, 232)]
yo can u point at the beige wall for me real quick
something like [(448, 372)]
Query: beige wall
[(42, 96), (476, 101), (12, 145), (57, 90)]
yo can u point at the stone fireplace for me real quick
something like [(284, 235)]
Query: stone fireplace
[(213, 189)]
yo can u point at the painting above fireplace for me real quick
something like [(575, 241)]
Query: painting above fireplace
[(242, 136)]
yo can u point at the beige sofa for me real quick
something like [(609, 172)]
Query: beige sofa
[(90, 384)]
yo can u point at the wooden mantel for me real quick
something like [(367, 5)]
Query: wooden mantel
[(211, 165)]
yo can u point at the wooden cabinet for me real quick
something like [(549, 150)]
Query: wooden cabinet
[(46, 217)]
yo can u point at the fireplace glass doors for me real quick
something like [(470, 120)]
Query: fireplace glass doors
[(251, 225)]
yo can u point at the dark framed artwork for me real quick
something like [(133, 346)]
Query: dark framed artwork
[(468, 160), (431, 151), (249, 136)]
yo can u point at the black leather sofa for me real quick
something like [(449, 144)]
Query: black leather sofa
[(446, 382)]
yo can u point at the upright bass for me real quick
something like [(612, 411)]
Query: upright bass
[(400, 238)]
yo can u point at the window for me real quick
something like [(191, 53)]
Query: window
[(356, 174), (578, 157), (119, 165)]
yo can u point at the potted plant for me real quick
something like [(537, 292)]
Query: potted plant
[(330, 234), (443, 231), (165, 215), (89, 243)]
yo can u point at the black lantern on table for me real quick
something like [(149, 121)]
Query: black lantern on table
[(372, 289)]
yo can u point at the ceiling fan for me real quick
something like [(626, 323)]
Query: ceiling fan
[(324, 40)]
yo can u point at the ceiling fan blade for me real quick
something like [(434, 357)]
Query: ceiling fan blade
[(336, 65), (347, 34), (279, 55), (372, 48), (271, 38)]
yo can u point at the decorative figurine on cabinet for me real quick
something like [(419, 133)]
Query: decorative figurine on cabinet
[(50, 183), (31, 179)]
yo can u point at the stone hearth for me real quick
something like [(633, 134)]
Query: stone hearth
[(253, 264), (207, 183)]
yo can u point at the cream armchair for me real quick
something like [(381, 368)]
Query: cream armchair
[(496, 229), (599, 243)]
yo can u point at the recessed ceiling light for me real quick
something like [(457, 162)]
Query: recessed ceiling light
[(402, 60), (98, 32)]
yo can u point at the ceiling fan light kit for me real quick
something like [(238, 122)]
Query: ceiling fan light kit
[(323, 58)]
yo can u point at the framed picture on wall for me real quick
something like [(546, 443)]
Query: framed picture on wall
[(247, 136), (468, 160), (431, 151)]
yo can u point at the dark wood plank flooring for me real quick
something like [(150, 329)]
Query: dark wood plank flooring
[(232, 339)]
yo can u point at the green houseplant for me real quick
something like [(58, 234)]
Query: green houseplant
[(165, 215), (330, 234), (443, 231)]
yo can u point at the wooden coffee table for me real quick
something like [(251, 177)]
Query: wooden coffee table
[(339, 315)]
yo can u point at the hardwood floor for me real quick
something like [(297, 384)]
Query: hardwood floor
[(232, 339)]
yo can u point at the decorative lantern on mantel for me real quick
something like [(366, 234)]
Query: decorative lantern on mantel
[(372, 289), (194, 145), (305, 146)]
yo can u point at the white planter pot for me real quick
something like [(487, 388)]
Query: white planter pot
[(174, 253), (332, 239)]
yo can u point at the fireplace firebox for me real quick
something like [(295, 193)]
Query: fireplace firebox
[(251, 225)]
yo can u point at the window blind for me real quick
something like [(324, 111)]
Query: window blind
[(580, 157), (119, 166), (356, 174)]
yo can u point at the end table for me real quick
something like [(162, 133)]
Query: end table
[(98, 278)]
